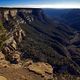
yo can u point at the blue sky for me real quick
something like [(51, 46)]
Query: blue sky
[(36, 2), (15, 2)]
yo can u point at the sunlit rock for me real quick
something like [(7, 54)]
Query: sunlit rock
[(41, 68)]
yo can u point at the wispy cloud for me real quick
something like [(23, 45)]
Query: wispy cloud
[(58, 5)]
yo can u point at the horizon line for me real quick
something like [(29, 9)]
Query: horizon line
[(56, 6)]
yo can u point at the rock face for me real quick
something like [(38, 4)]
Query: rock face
[(42, 69), (13, 12), (9, 50), (19, 35), (10, 45), (8, 13)]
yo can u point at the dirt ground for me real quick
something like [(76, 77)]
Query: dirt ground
[(19, 74)]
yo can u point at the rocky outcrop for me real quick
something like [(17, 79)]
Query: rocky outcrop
[(13, 12), (9, 50), (8, 13), (26, 15), (41, 68), (19, 34), (10, 46), (11, 55)]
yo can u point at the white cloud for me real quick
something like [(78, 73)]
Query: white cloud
[(60, 5)]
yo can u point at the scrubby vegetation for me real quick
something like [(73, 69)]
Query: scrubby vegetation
[(3, 36)]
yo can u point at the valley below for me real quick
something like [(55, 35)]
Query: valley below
[(36, 47)]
